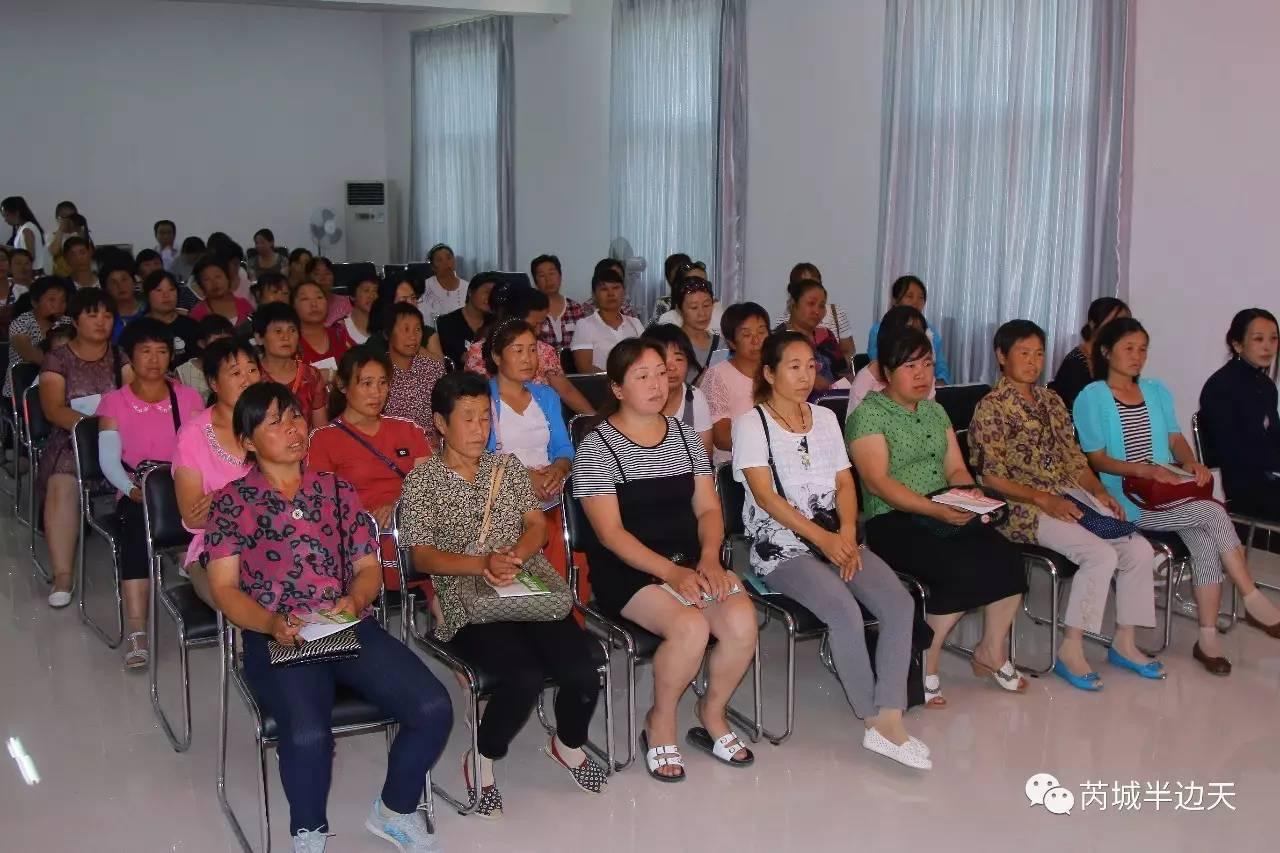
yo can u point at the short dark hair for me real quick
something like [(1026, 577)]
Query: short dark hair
[(1240, 325), (170, 223), (90, 299), (667, 334), (222, 351), (1099, 310), (438, 247), (771, 357), (673, 262), (608, 274), (145, 330), (348, 367), (270, 278), (544, 259), (205, 262), (76, 242), (606, 264), (18, 250), (45, 283), (454, 386), (1013, 331), (154, 279), (293, 294), (212, 324), (516, 302), (253, 405), (908, 345), (296, 254), (1107, 337), (797, 289), (405, 277), (318, 261), (274, 312), (896, 319), (116, 262), (402, 309), (480, 279), (192, 245), (502, 336), (903, 283), (804, 269), (265, 234), (146, 256), (228, 251), (737, 314)]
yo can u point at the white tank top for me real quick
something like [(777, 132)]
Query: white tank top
[(39, 252)]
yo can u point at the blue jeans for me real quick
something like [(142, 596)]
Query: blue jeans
[(388, 675)]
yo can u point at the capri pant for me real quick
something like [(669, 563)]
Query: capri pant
[(1203, 526)]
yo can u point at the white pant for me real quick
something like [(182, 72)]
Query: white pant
[(1129, 559)]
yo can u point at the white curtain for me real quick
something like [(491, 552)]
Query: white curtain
[(462, 190), (1004, 130), (678, 137)]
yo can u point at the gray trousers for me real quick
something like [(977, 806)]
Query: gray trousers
[(816, 585)]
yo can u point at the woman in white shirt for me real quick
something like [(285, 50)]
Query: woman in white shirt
[(597, 334), (801, 515), (27, 232), (444, 291), (685, 402)]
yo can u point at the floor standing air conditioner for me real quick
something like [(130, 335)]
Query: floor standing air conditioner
[(369, 225)]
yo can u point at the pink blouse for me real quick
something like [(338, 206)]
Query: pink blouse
[(198, 449), (146, 429), (729, 394)]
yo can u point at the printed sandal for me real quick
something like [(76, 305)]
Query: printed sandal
[(722, 749), (137, 655), (588, 775), (662, 756), (1006, 677), (933, 697), (490, 805)]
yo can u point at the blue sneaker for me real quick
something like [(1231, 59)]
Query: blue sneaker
[(408, 832), (1089, 682), (1151, 669)]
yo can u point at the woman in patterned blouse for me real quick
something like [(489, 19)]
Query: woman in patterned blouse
[(413, 373), (284, 545), (441, 508)]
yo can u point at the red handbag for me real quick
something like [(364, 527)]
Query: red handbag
[(1152, 495)]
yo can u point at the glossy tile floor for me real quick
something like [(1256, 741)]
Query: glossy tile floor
[(108, 780)]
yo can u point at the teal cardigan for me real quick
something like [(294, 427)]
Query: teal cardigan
[(1098, 424)]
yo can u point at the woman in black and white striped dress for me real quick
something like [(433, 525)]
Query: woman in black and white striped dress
[(1128, 428)]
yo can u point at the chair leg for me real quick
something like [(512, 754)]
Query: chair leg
[(752, 725), (114, 639), (183, 742), (264, 813), (473, 799), (223, 802), (41, 569)]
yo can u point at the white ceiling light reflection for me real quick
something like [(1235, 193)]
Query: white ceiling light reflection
[(26, 766)]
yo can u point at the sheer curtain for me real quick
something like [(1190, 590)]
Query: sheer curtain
[(462, 190), (1004, 130), (678, 138)]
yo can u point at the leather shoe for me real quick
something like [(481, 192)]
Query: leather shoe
[(1216, 666), (1270, 630)]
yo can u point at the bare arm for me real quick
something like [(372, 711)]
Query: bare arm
[(433, 348), (871, 456), (53, 400), (707, 442), (606, 520), (582, 361), (722, 434), (29, 352), (956, 472), (233, 602), (193, 503)]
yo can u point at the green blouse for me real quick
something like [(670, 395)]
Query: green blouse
[(917, 444)]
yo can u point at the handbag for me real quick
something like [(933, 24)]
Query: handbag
[(340, 645), (1100, 525), (481, 603), (827, 519), (1152, 495)]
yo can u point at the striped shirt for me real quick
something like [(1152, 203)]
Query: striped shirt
[(605, 453), (1135, 424)]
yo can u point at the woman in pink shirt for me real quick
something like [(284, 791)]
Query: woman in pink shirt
[(138, 423), (208, 456), (320, 270), (730, 385), (219, 293)]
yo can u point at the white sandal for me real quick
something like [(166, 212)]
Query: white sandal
[(933, 697), (662, 756), (1006, 677), (137, 655)]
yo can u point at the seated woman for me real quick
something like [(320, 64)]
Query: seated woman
[(1022, 445), (524, 304), (871, 377), (208, 455), (9, 294), (806, 306), (685, 402), (355, 328), (563, 313), (791, 456), (1128, 428), (730, 385), (210, 275), (21, 271), (264, 257), (414, 374), (183, 266), (646, 486), (1076, 370), (910, 290), (318, 344), (1239, 418), (49, 299), (73, 379), (445, 291), (320, 271), (693, 302), (443, 500), (457, 329), (905, 449), (118, 281), (277, 327), (139, 423), (665, 310), (406, 290), (836, 320), (160, 294), (299, 260), (671, 274), (330, 564), (212, 328), (595, 335)]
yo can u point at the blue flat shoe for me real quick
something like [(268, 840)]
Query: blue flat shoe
[(1088, 682), (1152, 669)]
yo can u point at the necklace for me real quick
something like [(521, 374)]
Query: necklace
[(802, 449), (787, 423)]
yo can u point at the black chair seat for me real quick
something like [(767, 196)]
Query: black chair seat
[(200, 620), (646, 643), (1065, 567), (349, 709), (1170, 539), (808, 626)]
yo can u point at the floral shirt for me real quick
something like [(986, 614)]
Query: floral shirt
[(410, 394), (548, 362), (440, 509), (573, 312), (295, 555), (1031, 443)]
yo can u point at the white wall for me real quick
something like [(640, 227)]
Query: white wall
[(1205, 180), (216, 116)]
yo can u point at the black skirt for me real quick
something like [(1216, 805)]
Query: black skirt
[(967, 570)]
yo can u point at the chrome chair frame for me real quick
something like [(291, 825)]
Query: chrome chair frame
[(444, 654), (35, 446), (20, 441), (87, 471)]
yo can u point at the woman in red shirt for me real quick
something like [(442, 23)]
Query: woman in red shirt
[(318, 343), (370, 450), (277, 327)]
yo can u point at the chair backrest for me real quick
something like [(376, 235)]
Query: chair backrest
[(733, 495), (837, 402), (84, 444), (961, 401), (594, 386), (38, 427), (1202, 441), (860, 360), (419, 271), (160, 510), (21, 375), (580, 425), (578, 530), (347, 275)]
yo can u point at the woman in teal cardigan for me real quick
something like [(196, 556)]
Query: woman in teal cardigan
[(1128, 428)]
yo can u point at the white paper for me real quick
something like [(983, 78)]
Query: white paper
[(980, 506), (1175, 470), (841, 384), (87, 405), (329, 363), (315, 630)]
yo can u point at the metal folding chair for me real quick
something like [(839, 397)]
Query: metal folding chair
[(84, 443), (480, 683), (21, 376), (196, 623), (38, 429)]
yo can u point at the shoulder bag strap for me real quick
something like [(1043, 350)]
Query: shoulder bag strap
[(359, 439), (173, 407), (495, 481), (773, 469), (683, 440), (621, 468)]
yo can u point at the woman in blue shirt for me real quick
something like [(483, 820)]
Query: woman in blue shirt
[(1128, 428), (910, 290)]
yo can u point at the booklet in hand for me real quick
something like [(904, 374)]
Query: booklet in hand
[(322, 623), (706, 596), (970, 500), (524, 583)]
